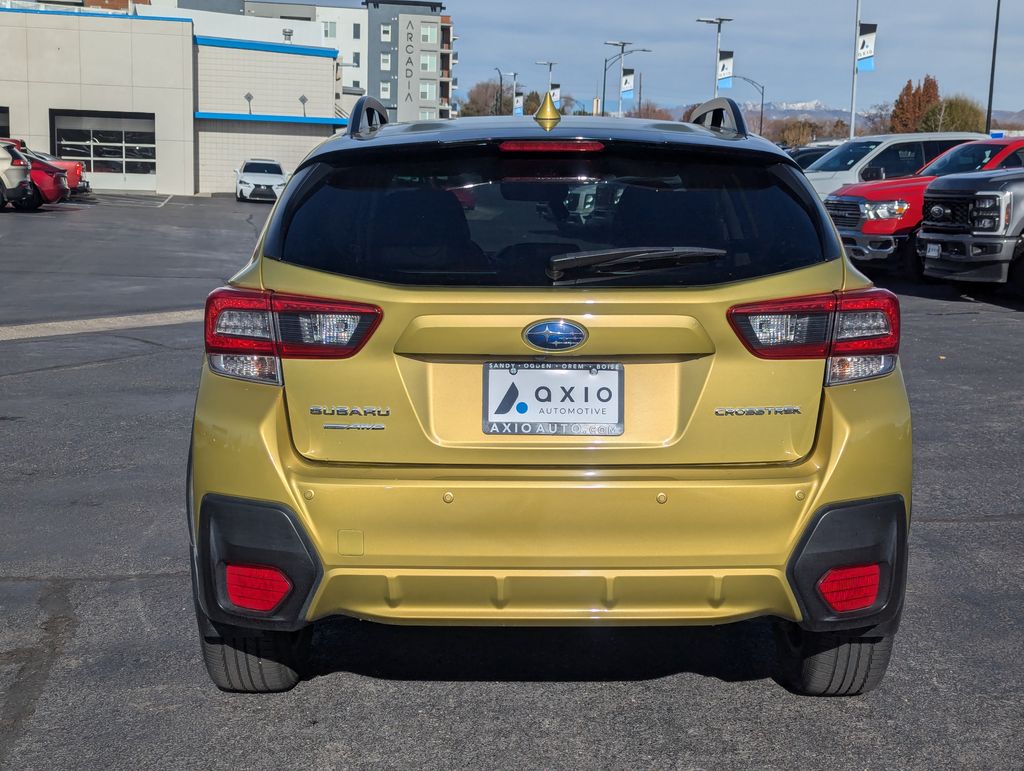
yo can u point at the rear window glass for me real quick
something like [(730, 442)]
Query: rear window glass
[(261, 168), (483, 218)]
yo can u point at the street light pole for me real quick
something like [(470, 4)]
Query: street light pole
[(718, 21), (501, 93), (853, 86), (759, 87), (549, 65), (608, 62), (992, 74), (514, 87), (621, 55)]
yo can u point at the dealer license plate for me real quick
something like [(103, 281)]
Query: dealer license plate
[(553, 398), (933, 250)]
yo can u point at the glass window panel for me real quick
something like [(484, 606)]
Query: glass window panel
[(107, 136), (108, 167), (135, 151), (73, 151), (108, 151), (140, 167), (73, 135), (140, 138)]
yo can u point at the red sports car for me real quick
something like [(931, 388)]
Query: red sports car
[(75, 169), (49, 184)]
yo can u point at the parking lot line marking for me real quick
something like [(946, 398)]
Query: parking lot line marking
[(102, 324)]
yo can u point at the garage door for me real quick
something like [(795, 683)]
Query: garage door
[(119, 153)]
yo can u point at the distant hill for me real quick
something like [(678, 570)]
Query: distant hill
[(819, 112)]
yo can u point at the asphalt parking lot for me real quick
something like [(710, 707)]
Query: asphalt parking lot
[(99, 661)]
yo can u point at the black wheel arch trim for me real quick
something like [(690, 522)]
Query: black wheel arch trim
[(854, 532), (244, 531)]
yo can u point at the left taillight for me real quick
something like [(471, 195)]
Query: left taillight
[(249, 332), (858, 332)]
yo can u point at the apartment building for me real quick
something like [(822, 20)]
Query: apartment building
[(399, 51)]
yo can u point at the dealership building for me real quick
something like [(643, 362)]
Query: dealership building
[(170, 99)]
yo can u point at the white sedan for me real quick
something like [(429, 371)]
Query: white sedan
[(259, 180)]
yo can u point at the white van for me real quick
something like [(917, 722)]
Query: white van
[(882, 156)]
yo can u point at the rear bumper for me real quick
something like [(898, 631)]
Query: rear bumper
[(557, 546), (966, 257), (875, 250), (83, 186), (22, 191)]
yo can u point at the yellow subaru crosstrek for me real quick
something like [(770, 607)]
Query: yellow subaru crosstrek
[(512, 371)]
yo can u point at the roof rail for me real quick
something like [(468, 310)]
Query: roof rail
[(366, 106), (720, 113)]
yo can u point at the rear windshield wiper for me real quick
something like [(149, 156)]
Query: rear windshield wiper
[(608, 264)]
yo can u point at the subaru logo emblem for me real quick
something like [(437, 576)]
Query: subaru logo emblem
[(555, 335), (937, 212)]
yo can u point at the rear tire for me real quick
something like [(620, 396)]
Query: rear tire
[(911, 264), (830, 663), (253, 661), (31, 203)]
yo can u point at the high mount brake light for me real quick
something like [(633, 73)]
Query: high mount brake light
[(248, 332), (858, 332), (550, 146)]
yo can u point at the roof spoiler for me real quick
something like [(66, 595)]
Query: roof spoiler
[(367, 107), (720, 113)]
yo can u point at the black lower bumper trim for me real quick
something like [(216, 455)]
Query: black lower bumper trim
[(856, 533), (245, 532)]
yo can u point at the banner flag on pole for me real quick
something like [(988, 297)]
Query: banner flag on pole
[(556, 95), (626, 91), (725, 69), (866, 48), (517, 105)]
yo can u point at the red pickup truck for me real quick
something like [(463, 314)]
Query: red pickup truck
[(75, 170), (878, 220)]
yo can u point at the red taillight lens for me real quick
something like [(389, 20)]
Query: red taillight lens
[(249, 331), (852, 588), (322, 329), (255, 587), (19, 162), (867, 321), (551, 146), (797, 328), (859, 332)]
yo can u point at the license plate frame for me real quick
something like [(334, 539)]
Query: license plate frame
[(558, 374)]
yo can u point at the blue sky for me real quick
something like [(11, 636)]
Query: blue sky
[(800, 49)]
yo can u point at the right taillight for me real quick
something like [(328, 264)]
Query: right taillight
[(857, 332), (248, 332)]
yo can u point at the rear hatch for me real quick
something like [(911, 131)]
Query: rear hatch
[(516, 332)]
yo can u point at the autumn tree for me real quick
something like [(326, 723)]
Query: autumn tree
[(531, 103), (482, 99), (877, 120), (688, 112), (955, 113), (912, 104), (650, 110)]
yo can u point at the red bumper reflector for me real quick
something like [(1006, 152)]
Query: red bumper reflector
[(253, 587), (853, 588)]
